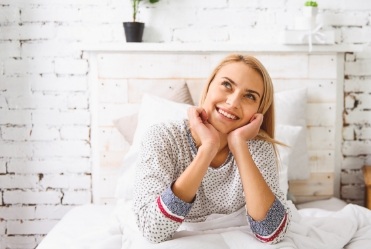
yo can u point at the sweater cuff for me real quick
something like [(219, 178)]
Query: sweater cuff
[(173, 207), (273, 224)]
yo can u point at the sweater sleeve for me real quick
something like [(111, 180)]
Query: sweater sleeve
[(159, 212), (273, 227)]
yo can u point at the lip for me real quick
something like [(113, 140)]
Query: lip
[(218, 109)]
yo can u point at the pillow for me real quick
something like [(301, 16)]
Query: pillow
[(289, 135), (127, 125), (290, 108), (153, 110)]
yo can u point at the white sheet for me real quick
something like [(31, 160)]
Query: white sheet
[(310, 228), (98, 227)]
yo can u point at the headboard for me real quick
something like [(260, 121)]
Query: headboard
[(118, 79)]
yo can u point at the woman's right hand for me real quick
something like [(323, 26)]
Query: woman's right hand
[(205, 134)]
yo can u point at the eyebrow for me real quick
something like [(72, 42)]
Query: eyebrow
[(247, 90)]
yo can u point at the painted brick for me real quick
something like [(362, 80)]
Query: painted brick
[(44, 133), (18, 181), (9, 49), (9, 15), (15, 133), (76, 197), (108, 14), (357, 85), (17, 212), (28, 66), (15, 117), (51, 211), (356, 5), (47, 13), (50, 48), (3, 103), (2, 167), (349, 132), (15, 149), (1, 198), (77, 101), (15, 86), (30, 227), (75, 133), (355, 148), (82, 32), (71, 66), (24, 242), (29, 31), (352, 163), (38, 101), (2, 228), (356, 35), (217, 34), (61, 148), (55, 117), (359, 68), (54, 83), (343, 19), (31, 197), (357, 117), (50, 166), (66, 181), (352, 177), (364, 133), (256, 4), (350, 101), (352, 192)]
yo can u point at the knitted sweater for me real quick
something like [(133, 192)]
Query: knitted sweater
[(166, 151)]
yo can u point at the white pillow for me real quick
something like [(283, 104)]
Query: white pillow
[(153, 110), (289, 135), (127, 125), (290, 109)]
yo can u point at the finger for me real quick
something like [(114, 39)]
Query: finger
[(194, 114), (203, 116), (257, 117)]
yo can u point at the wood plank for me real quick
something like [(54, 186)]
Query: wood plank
[(319, 184)]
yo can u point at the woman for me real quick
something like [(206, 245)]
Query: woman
[(219, 160)]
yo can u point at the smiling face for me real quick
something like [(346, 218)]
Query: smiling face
[(233, 96)]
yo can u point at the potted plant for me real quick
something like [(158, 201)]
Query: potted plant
[(134, 30), (310, 8)]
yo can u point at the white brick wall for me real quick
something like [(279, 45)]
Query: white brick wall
[(44, 111)]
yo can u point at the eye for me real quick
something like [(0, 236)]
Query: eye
[(227, 84), (250, 96)]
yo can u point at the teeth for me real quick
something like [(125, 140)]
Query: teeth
[(227, 114)]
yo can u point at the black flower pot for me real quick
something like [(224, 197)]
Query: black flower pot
[(134, 31)]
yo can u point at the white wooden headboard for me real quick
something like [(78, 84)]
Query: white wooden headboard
[(119, 76)]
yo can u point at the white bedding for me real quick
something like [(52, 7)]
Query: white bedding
[(100, 227)]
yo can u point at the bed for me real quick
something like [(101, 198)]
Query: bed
[(326, 222)]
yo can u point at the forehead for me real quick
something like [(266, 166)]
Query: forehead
[(241, 73)]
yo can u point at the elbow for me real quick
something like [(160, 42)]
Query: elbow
[(152, 236)]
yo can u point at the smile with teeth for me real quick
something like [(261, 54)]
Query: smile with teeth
[(227, 115)]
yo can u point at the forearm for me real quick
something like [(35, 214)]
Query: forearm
[(186, 186), (258, 195), (159, 220)]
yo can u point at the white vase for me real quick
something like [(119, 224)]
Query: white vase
[(310, 11)]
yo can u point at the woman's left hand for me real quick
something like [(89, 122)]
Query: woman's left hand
[(246, 132)]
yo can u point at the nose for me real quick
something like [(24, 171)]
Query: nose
[(233, 100)]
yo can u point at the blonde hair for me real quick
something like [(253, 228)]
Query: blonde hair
[(266, 106)]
